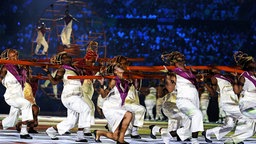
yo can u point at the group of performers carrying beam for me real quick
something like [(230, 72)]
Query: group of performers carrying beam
[(119, 87)]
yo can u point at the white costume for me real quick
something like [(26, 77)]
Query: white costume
[(150, 102), (14, 97), (133, 105), (204, 102), (188, 103), (88, 91), (247, 105), (112, 109), (175, 117), (66, 33), (41, 41), (72, 98), (229, 103), (159, 103)]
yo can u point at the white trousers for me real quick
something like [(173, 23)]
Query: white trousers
[(175, 117), (246, 126), (138, 113), (149, 106), (18, 104), (78, 113), (92, 108), (245, 129), (195, 116), (66, 34), (41, 42), (232, 113)]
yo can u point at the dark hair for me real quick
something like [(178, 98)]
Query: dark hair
[(5, 53), (243, 59), (173, 57), (111, 68)]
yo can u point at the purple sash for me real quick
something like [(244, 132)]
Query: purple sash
[(222, 77), (69, 67), (19, 74), (250, 77), (186, 74), (77, 71), (123, 93)]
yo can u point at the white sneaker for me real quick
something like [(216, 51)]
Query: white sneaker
[(194, 141), (5, 128), (51, 132), (166, 136)]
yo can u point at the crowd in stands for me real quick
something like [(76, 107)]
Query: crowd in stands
[(199, 29)]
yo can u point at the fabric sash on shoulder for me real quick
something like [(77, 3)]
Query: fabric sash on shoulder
[(123, 93), (222, 77), (250, 77), (186, 74), (77, 71), (19, 74)]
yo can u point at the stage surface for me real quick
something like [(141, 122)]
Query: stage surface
[(11, 136)]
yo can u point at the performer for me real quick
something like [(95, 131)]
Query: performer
[(132, 102), (204, 102), (30, 88), (159, 104), (88, 89), (245, 86), (54, 87), (133, 105), (78, 111), (53, 73), (41, 30), (171, 111), (67, 30), (150, 103), (187, 100), (117, 117), (176, 118), (228, 101), (13, 77)]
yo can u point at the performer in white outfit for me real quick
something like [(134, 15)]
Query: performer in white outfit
[(30, 89), (132, 101), (78, 111), (54, 87), (13, 77), (176, 118), (187, 100), (228, 102), (159, 103), (132, 104), (89, 60), (245, 85), (41, 30), (117, 117), (171, 111), (67, 30), (150, 103), (204, 102)]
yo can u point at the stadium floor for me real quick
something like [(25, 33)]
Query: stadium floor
[(11, 136)]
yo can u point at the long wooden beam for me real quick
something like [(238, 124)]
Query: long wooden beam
[(99, 59), (162, 68), (130, 68)]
